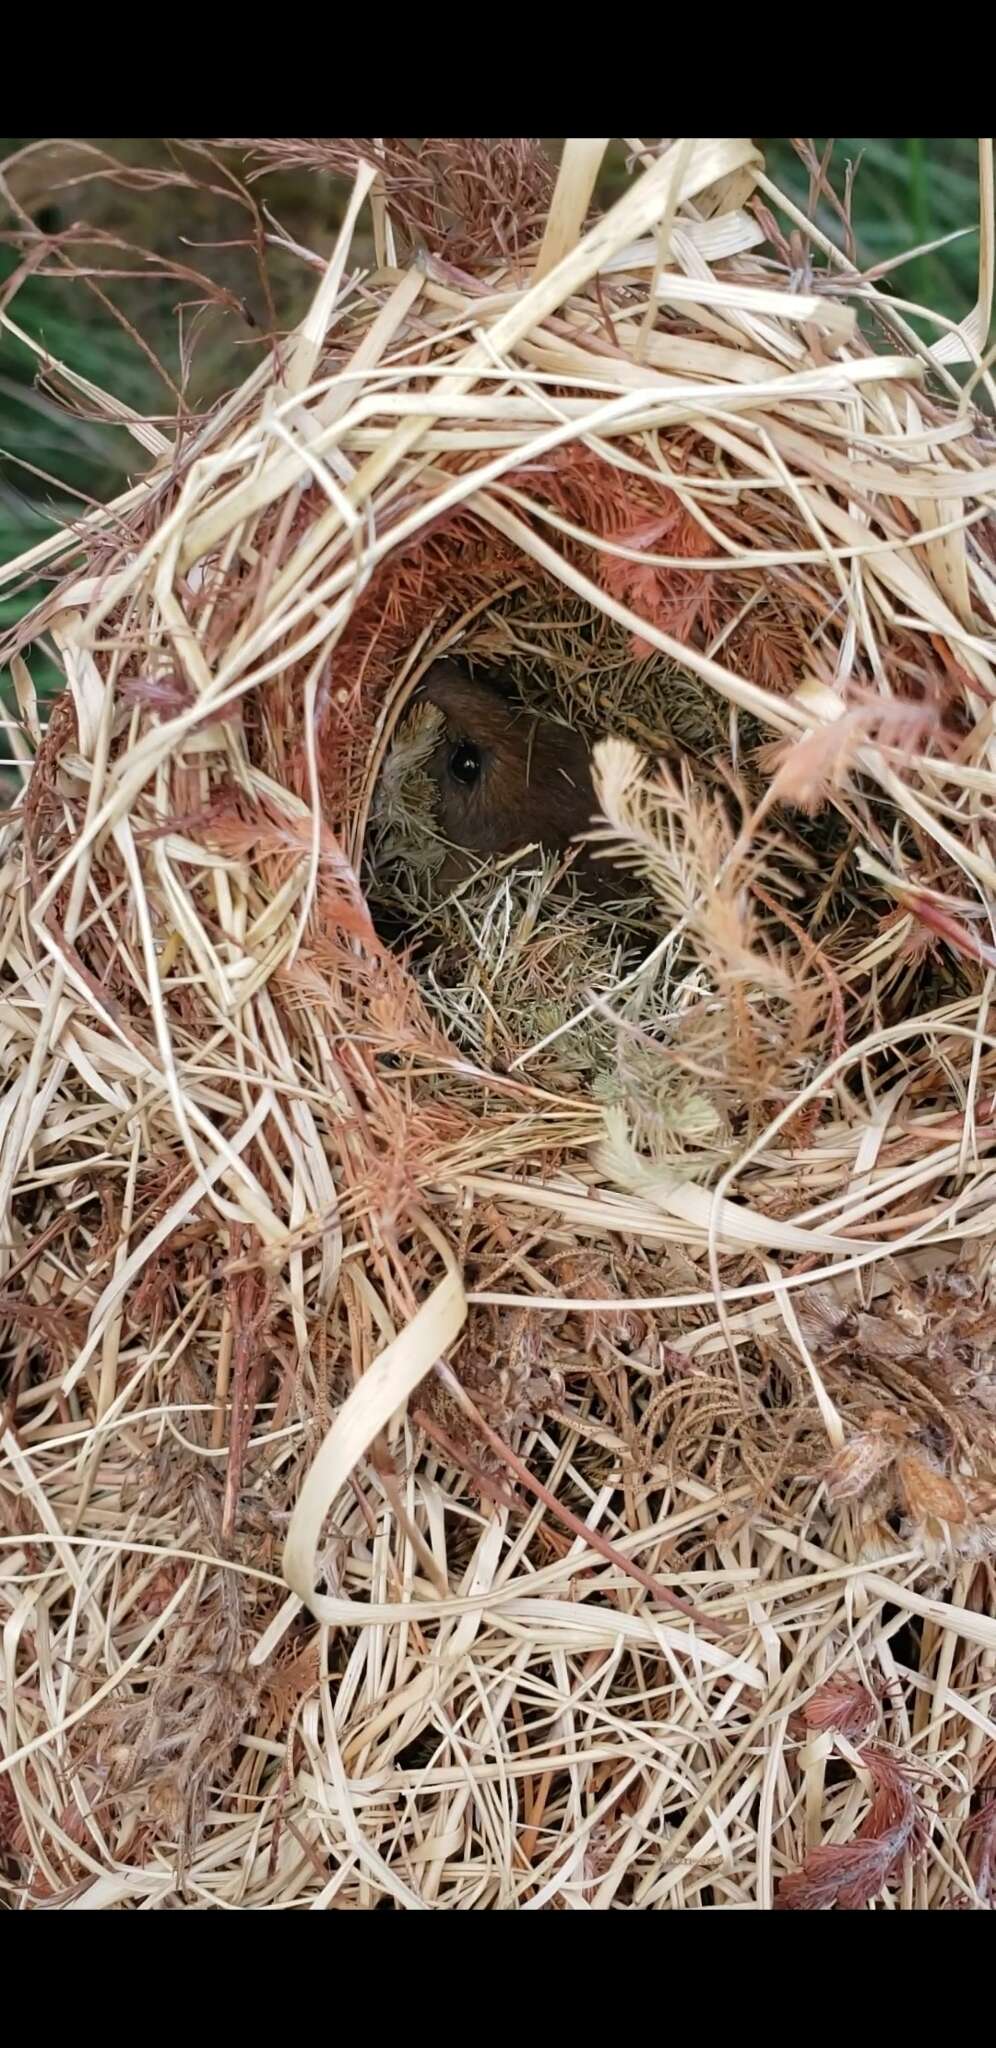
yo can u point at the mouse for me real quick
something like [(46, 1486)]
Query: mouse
[(505, 776)]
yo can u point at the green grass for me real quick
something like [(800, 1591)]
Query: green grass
[(80, 459), (38, 435), (908, 190)]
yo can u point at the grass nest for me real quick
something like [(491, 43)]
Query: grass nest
[(507, 1417)]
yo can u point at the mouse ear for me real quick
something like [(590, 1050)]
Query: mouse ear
[(448, 676), (443, 672), (443, 685), (501, 684), (471, 709)]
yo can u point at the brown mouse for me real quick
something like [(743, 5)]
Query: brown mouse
[(506, 778)]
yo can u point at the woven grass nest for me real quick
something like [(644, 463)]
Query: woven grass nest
[(521, 1435)]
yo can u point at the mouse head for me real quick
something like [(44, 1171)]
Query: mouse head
[(504, 776)]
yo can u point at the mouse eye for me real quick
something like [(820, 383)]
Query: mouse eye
[(465, 763)]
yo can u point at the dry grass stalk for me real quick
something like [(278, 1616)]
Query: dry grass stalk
[(706, 1241)]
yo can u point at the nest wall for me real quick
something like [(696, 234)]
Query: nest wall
[(430, 1477)]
